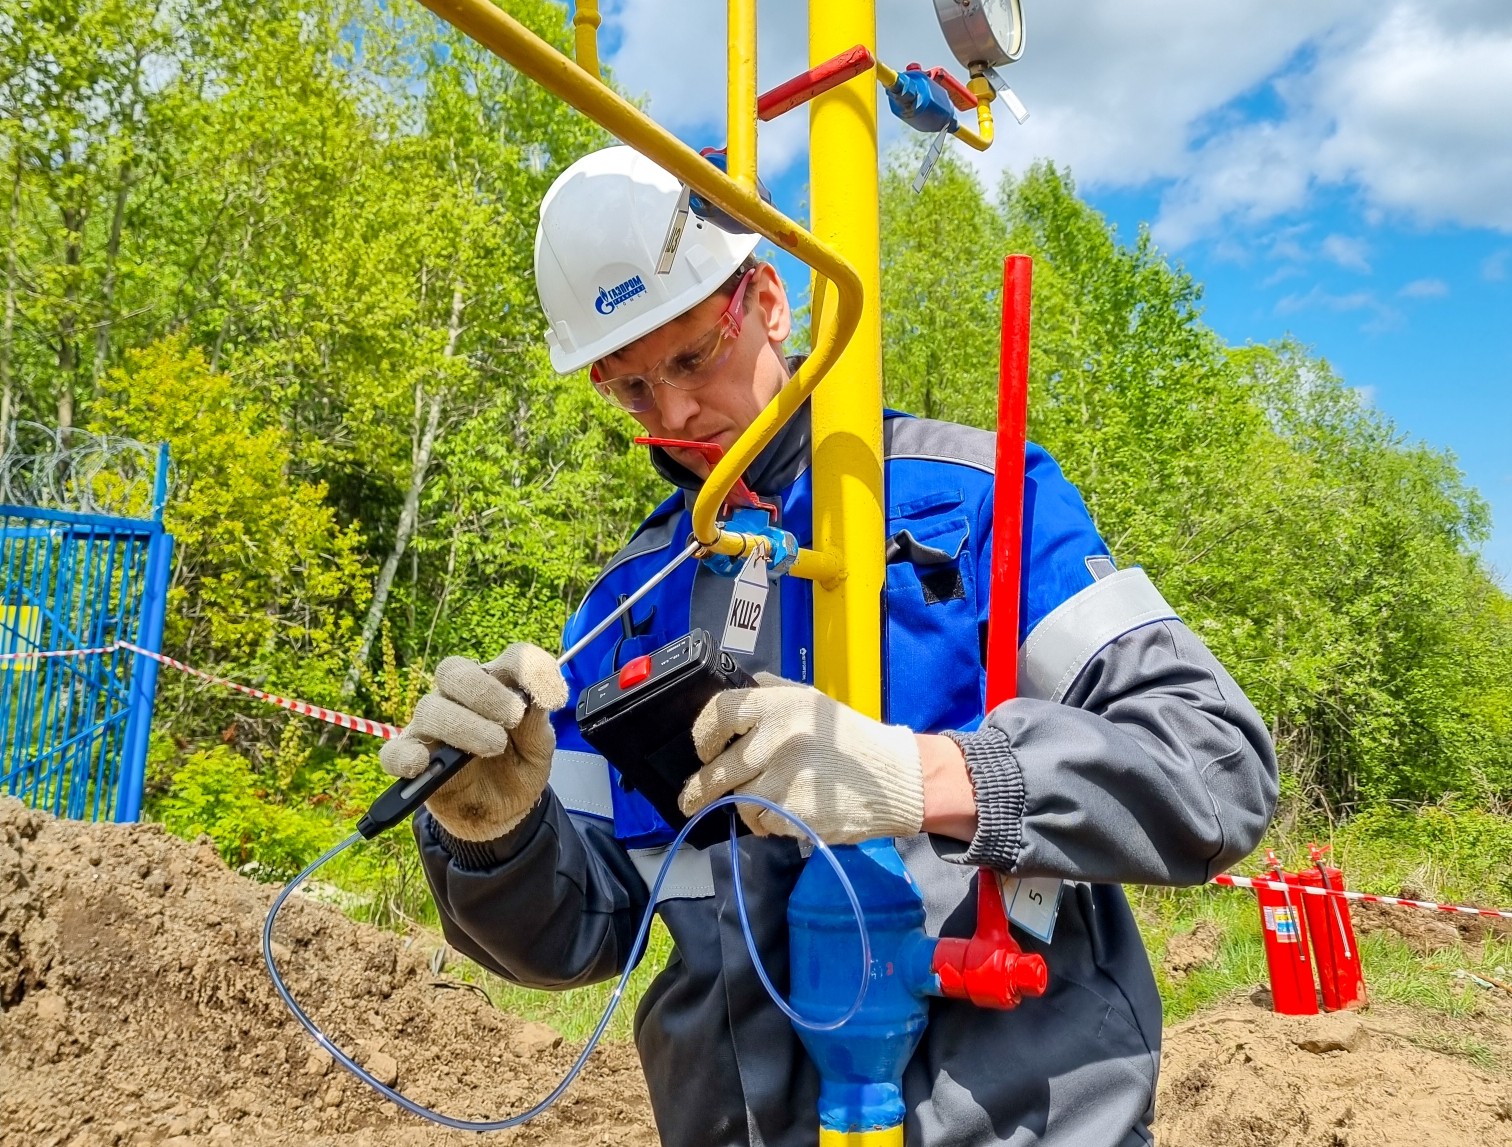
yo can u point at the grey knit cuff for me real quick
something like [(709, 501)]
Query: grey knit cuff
[(998, 783), (482, 855)]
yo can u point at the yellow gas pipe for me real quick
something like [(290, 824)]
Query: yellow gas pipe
[(585, 25), (740, 113), (847, 431), (512, 42)]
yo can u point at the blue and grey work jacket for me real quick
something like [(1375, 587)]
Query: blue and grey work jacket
[(1131, 757)]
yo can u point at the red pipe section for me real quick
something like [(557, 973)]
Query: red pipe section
[(1008, 497), (989, 968)]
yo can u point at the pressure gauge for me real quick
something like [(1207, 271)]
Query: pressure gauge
[(985, 32)]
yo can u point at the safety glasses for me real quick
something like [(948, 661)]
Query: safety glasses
[(690, 368)]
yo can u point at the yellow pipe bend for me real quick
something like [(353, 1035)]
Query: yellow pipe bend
[(518, 46), (981, 139)]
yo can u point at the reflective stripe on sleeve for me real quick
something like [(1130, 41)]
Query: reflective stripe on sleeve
[(1080, 627), (581, 783), (691, 877)]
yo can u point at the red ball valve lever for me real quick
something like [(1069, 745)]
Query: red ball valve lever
[(989, 969), (960, 95), (740, 494)]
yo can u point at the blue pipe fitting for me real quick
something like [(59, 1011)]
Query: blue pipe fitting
[(921, 103), (706, 209), (751, 520), (860, 1063)]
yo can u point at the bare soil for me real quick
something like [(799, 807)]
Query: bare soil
[(135, 1009)]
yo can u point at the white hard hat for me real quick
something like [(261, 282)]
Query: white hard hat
[(603, 225)]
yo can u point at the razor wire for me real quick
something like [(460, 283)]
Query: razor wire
[(58, 468)]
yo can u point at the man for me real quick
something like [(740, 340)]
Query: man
[(1131, 757)]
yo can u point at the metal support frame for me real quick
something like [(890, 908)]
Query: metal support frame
[(74, 730)]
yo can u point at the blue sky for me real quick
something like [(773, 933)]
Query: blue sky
[(1336, 170)]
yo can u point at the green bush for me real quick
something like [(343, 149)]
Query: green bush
[(215, 792), (1449, 850)]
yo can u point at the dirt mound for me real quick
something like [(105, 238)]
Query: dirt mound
[(135, 1008), (1245, 1077)]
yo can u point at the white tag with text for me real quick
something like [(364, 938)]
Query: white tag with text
[(747, 603), (1032, 904)]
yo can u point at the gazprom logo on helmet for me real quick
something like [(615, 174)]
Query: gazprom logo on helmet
[(611, 297)]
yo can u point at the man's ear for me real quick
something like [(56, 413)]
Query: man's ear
[(771, 297)]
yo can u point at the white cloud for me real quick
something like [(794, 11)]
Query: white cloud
[(1241, 113), (1347, 252), (1494, 268), (1379, 316), (1319, 299), (1425, 289)]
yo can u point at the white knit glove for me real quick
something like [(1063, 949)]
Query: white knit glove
[(850, 777), (498, 713)]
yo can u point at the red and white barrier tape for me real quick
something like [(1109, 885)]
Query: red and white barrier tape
[(1230, 881), (57, 653), (320, 713)]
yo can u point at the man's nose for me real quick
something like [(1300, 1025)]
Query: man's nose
[(676, 407)]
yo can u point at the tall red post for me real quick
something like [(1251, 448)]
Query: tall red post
[(1008, 497)]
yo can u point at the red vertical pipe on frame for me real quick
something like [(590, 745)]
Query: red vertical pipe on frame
[(1008, 496)]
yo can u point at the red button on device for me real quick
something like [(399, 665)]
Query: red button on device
[(634, 672)]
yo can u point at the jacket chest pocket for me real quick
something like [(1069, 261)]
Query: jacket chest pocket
[(934, 671)]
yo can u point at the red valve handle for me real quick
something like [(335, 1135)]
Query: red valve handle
[(740, 494), (960, 95), (989, 969)]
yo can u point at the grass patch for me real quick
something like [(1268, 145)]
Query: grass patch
[(575, 1012), (1463, 1045), (1165, 913)]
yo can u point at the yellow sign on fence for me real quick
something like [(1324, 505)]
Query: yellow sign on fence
[(20, 632)]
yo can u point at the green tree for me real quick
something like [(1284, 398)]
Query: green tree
[(1330, 564), (265, 579)]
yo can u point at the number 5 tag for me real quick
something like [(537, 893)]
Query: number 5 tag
[(1032, 904)]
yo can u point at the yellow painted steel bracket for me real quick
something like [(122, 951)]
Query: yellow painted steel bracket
[(518, 46)]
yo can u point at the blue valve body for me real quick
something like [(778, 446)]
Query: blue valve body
[(721, 218), (921, 103), (860, 1063), (750, 520)]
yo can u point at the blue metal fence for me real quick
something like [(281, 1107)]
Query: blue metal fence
[(73, 730)]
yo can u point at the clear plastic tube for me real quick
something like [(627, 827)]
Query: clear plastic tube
[(730, 802)]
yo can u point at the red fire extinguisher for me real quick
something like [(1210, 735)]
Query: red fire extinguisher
[(1340, 977), (1281, 917)]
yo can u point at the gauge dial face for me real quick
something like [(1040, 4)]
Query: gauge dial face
[(989, 32)]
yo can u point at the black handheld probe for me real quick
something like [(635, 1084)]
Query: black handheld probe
[(403, 797)]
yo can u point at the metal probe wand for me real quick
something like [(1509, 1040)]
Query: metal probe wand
[(403, 797)]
